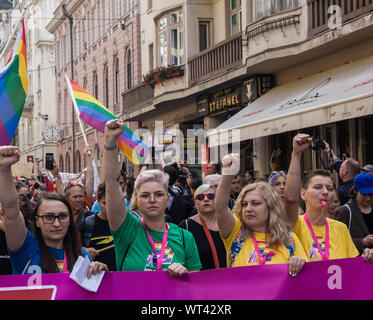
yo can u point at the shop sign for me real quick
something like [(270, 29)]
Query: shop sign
[(225, 99)]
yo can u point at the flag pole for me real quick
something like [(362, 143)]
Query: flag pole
[(77, 112)]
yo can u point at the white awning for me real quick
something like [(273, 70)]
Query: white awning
[(338, 94)]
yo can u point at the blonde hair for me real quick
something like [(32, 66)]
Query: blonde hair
[(152, 176), (278, 224)]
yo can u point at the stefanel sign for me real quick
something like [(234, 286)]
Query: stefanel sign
[(220, 101)]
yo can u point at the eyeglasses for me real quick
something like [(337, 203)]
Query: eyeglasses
[(51, 218), (202, 196), (156, 195)]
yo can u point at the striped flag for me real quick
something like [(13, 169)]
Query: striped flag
[(92, 112), (13, 88)]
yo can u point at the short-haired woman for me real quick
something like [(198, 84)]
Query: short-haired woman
[(148, 243), (205, 230), (321, 237), (55, 245), (256, 232)]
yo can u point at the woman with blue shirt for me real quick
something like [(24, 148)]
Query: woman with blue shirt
[(55, 245)]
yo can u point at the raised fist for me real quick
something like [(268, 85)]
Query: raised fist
[(113, 129), (9, 155), (230, 164)]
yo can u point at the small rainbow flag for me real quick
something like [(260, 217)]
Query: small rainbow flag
[(13, 88), (92, 112)]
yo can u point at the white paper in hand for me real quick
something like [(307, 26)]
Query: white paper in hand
[(79, 275)]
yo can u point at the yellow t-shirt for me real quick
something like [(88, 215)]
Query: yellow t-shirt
[(247, 256), (340, 242)]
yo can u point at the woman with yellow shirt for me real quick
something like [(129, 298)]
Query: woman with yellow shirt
[(256, 233), (322, 238)]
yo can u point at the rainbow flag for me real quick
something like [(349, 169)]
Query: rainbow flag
[(13, 88), (92, 112)]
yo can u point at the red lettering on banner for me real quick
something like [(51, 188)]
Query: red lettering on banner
[(333, 114), (25, 293), (265, 129), (361, 108), (252, 113)]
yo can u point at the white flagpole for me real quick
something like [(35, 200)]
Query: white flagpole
[(76, 110)]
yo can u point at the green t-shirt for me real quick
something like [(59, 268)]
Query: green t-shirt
[(132, 245)]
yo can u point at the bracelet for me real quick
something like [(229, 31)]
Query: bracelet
[(113, 147), (57, 178)]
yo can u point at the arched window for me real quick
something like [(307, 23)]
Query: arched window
[(106, 86), (67, 162), (95, 85), (116, 80), (78, 162), (60, 165), (129, 69)]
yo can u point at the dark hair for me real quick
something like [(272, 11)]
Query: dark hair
[(311, 174), (353, 192), (196, 183), (172, 172), (130, 186), (20, 185), (71, 242), (100, 193), (26, 209)]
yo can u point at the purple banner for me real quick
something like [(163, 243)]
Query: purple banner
[(325, 280)]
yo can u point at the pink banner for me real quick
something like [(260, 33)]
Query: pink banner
[(325, 280)]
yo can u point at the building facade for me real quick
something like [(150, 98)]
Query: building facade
[(234, 53), (106, 62)]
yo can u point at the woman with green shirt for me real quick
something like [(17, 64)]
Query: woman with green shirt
[(147, 244)]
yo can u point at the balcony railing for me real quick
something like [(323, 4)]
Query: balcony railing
[(318, 15), (137, 97), (218, 59)]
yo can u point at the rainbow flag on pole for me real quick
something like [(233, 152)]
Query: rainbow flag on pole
[(92, 112), (13, 88)]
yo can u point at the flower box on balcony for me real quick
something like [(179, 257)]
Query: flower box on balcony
[(159, 74)]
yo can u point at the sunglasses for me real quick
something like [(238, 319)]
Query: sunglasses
[(202, 196)]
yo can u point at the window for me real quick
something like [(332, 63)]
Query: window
[(78, 162), (67, 162), (204, 35), (151, 57), (60, 165), (95, 85), (106, 86), (129, 69), (236, 16), (171, 39), (116, 81), (264, 8)]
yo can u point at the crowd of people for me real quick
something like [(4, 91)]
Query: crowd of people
[(173, 220)]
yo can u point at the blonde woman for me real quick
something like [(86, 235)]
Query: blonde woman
[(256, 232)]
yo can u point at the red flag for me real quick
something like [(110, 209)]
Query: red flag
[(49, 185)]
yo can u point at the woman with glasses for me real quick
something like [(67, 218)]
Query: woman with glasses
[(321, 237), (149, 243), (256, 232), (55, 245), (204, 228)]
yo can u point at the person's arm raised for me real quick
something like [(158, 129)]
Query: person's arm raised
[(224, 216), (15, 228), (301, 142), (89, 181), (115, 202)]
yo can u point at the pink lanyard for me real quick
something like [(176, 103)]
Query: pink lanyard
[(164, 244), (64, 269), (326, 256), (262, 259)]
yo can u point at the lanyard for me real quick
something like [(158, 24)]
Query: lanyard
[(164, 244), (326, 256), (64, 269), (262, 259), (211, 243)]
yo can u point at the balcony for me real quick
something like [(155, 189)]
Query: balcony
[(137, 97), (222, 57), (318, 15)]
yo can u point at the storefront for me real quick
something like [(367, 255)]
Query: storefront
[(336, 105)]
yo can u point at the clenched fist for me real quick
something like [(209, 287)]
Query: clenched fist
[(230, 164), (9, 155), (113, 129)]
